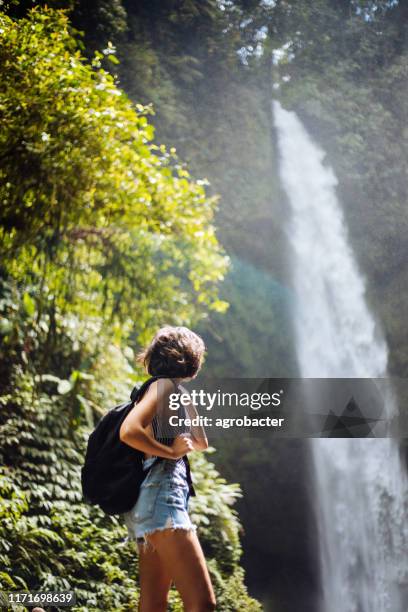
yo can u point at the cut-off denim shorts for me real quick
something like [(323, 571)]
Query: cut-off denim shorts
[(162, 502)]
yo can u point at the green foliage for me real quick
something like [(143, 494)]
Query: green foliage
[(215, 109), (104, 235), (100, 217), (349, 85), (211, 511), (54, 540), (231, 593), (260, 307), (209, 103), (49, 539)]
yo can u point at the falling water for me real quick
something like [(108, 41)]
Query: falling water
[(360, 484)]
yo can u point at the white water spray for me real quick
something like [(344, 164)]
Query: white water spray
[(361, 486)]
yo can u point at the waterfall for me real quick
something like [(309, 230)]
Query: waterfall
[(360, 484)]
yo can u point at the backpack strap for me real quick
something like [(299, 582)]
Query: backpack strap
[(138, 391)]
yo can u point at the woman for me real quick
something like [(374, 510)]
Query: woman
[(169, 549)]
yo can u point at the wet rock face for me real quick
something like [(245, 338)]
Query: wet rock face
[(279, 539)]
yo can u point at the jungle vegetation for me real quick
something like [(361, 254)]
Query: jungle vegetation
[(180, 126)]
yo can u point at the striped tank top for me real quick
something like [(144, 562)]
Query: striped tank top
[(165, 431)]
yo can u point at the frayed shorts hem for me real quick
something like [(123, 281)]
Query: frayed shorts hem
[(144, 543)]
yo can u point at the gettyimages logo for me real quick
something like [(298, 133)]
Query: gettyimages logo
[(207, 400), (301, 408)]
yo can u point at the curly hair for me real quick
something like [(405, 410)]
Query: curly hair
[(175, 352)]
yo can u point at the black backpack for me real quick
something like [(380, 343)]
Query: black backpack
[(113, 471)]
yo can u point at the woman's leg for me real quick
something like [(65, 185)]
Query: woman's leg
[(154, 580), (182, 557)]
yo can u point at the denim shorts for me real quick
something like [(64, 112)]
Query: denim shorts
[(162, 502)]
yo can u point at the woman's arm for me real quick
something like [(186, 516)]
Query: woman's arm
[(133, 429)]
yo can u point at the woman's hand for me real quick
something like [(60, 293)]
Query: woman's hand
[(182, 445), (198, 434)]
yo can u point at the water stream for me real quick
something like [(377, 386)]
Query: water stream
[(360, 484)]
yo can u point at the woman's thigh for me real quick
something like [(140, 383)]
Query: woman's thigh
[(183, 559), (155, 581)]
